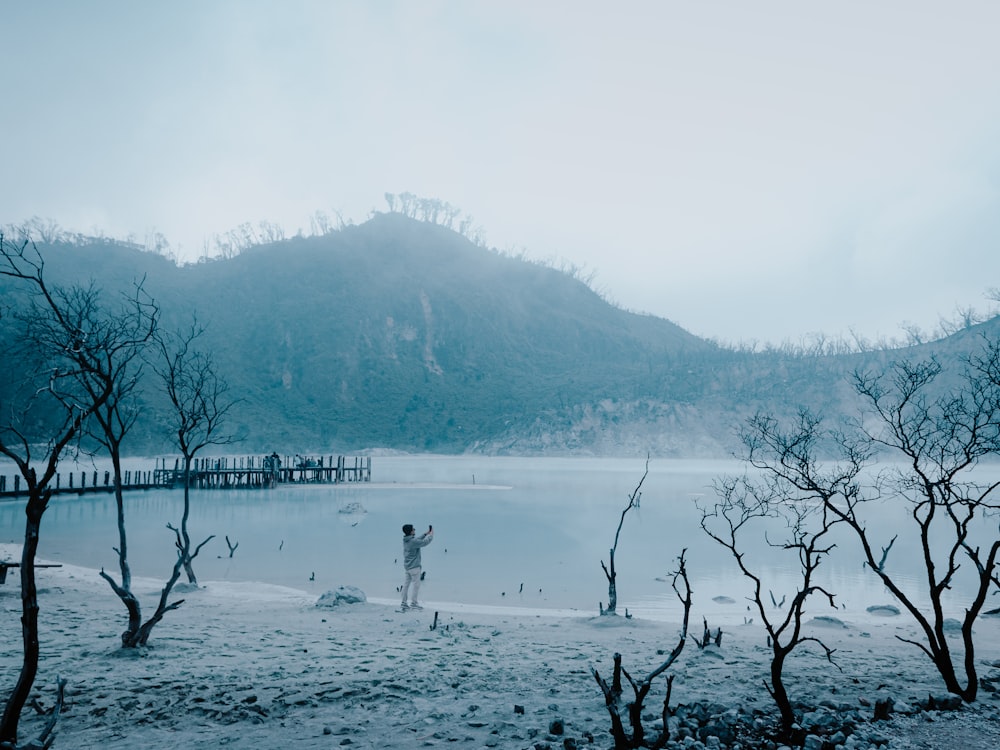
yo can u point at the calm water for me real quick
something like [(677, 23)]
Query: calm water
[(501, 524)]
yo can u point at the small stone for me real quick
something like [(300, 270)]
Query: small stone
[(902, 707), (827, 621), (947, 702), (883, 610), (557, 727), (342, 595)]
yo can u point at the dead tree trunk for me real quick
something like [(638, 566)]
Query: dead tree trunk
[(746, 507), (609, 570), (64, 337), (37, 502), (635, 735), (142, 634), (936, 426), (201, 403), (124, 590)]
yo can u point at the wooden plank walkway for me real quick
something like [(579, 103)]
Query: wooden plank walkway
[(80, 483), (241, 472), (266, 471)]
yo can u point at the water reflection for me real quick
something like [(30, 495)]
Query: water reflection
[(509, 531)]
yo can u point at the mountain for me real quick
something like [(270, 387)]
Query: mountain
[(401, 334), (404, 334)]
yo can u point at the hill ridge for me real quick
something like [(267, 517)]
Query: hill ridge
[(404, 335)]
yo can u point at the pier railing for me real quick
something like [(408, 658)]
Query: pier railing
[(231, 472)]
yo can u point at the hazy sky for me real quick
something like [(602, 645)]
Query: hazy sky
[(750, 170)]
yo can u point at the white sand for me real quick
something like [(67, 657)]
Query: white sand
[(255, 666)]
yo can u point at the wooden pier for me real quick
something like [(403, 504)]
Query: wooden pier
[(266, 471), (240, 472)]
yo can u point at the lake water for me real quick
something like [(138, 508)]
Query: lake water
[(516, 532)]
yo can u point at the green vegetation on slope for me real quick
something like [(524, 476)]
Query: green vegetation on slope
[(403, 334)]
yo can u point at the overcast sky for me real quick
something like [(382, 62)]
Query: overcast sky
[(753, 171)]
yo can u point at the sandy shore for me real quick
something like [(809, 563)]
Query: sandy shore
[(254, 666)]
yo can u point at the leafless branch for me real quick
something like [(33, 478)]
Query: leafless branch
[(634, 737)]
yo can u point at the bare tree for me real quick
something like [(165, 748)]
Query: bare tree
[(771, 506), (201, 402), (609, 570), (941, 434), (935, 430), (270, 232), (963, 319), (44, 230), (636, 736), (117, 370), (407, 204), (914, 334), (320, 223), (43, 419), (431, 210), (156, 242)]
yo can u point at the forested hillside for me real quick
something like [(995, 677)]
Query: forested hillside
[(400, 334)]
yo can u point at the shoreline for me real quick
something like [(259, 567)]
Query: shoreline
[(299, 486), (256, 665)]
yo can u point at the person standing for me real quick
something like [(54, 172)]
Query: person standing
[(411, 562)]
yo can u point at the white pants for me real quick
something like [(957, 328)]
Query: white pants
[(412, 577)]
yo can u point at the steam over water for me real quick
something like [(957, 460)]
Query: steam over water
[(521, 532)]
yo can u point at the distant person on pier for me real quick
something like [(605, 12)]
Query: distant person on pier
[(272, 465), (411, 562)]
